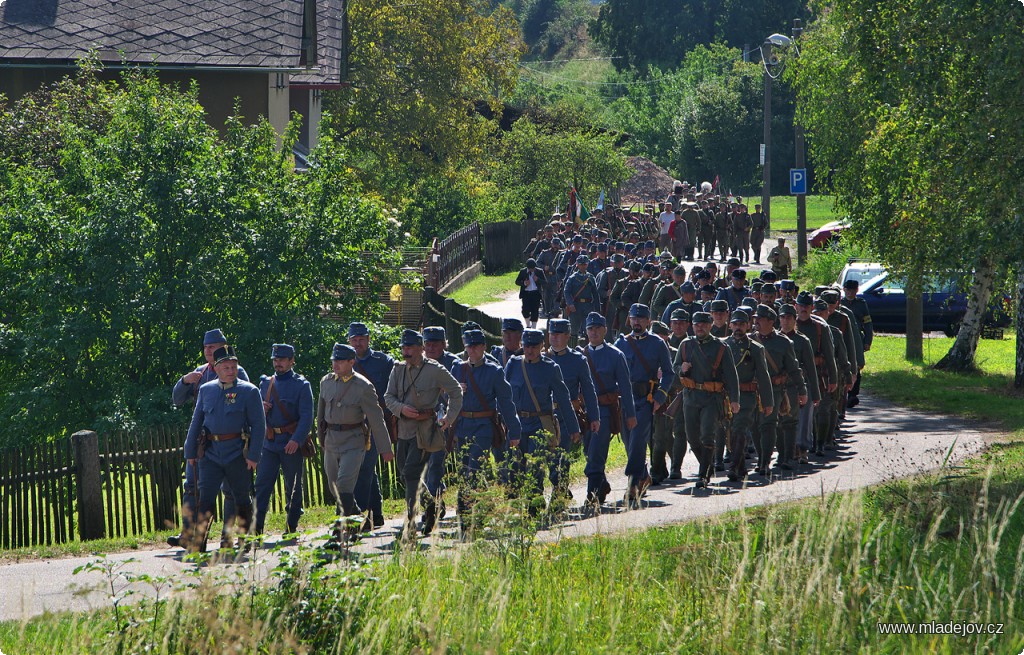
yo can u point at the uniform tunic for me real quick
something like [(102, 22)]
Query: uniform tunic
[(376, 367), (705, 409), (580, 295), (650, 374), (474, 436), (787, 380), (577, 379), (610, 374), (756, 393)]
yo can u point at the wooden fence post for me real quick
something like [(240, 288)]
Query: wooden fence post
[(90, 488)]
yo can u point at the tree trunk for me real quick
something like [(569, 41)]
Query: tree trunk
[(915, 318), (1018, 375), (961, 354)]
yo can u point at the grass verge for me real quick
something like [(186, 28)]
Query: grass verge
[(819, 212), (485, 288)]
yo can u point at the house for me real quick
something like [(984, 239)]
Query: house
[(272, 56)]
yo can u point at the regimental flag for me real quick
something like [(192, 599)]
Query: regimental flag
[(600, 201), (717, 183), (576, 207)]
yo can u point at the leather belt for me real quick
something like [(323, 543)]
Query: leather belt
[(713, 387), (780, 380), (424, 415), (608, 399), (224, 437), (749, 387), (341, 427), (284, 429), (487, 414)]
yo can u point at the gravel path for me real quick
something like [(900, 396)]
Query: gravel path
[(886, 442)]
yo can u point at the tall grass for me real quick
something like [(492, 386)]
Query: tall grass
[(825, 264)]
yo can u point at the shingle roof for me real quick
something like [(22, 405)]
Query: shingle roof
[(264, 34), (328, 28)]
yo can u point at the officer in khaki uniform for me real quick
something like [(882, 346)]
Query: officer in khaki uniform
[(414, 389), (780, 259), (346, 408)]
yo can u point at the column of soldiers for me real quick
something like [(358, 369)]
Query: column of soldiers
[(662, 355)]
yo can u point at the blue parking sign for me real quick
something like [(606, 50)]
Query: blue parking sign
[(798, 181)]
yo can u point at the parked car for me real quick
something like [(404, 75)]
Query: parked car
[(827, 235), (945, 303)]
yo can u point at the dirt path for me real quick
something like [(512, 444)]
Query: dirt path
[(885, 442)]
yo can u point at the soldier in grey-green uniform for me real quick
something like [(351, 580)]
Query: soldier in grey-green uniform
[(347, 408), (844, 367), (788, 387), (680, 327), (859, 308), (414, 390), (756, 393), (843, 318), (711, 391), (805, 357), (819, 333)]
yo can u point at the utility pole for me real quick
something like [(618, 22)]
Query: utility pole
[(801, 199), (766, 182)]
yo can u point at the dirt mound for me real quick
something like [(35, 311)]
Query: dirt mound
[(649, 183)]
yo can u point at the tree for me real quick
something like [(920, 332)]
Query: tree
[(915, 106), (417, 74), (134, 227)]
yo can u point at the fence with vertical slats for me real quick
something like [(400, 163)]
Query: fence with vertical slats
[(37, 495), (504, 243)]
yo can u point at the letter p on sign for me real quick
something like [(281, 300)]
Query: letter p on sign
[(798, 181)]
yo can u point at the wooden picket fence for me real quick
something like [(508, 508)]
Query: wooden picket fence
[(117, 484)]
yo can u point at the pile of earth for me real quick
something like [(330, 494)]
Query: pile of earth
[(649, 184)]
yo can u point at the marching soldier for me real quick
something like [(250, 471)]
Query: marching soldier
[(680, 327), (581, 296), (737, 289), (859, 308), (819, 333), (756, 393), (789, 449), (758, 226), (288, 402), (376, 367), (711, 391), (226, 409), (687, 301), (348, 418), (546, 263), (543, 402), (624, 295), (842, 318), (846, 368), (720, 319), (414, 389), (668, 293), (780, 259), (610, 374), (577, 379), (788, 388), (185, 391), (435, 344), (487, 420), (650, 372), (606, 280), (511, 341)]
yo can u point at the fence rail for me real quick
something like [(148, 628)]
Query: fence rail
[(504, 243), (452, 255)]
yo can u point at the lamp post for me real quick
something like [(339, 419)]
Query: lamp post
[(766, 168)]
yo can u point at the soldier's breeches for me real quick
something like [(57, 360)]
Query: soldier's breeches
[(434, 478), (271, 464), (636, 442), (742, 423), (679, 439), (702, 417), (367, 491), (190, 500), (474, 448), (823, 420), (342, 466), (786, 430), (558, 471), (595, 445), (414, 461), (212, 475), (578, 317), (805, 427), (526, 475), (766, 433), (661, 445)]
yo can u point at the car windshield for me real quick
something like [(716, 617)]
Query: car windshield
[(862, 274)]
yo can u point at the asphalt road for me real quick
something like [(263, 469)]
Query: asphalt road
[(885, 442)]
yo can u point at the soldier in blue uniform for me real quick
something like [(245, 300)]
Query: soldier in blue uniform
[(486, 399), (435, 344), (581, 296), (735, 292), (288, 402), (648, 360), (185, 391), (543, 401), (511, 341), (577, 378), (614, 390), (226, 409), (376, 367), (687, 301)]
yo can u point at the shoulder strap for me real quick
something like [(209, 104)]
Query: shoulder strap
[(718, 362), (475, 387), (275, 399), (529, 387), (640, 356), (593, 371), (771, 362)]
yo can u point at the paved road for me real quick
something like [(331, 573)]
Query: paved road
[(885, 442)]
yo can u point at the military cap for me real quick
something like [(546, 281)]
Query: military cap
[(358, 330), (635, 266), (667, 264), (595, 319), (701, 317), (577, 239), (769, 288), (542, 244), (687, 287), (639, 310), (473, 338), (630, 248), (224, 353), (769, 276), (648, 245), (513, 324), (804, 298), (411, 338), (343, 351), (583, 259), (531, 263), (470, 325), (558, 243), (433, 333), (558, 326), (733, 261), (748, 302), (680, 271), (619, 245), (282, 350), (755, 286), (660, 329), (852, 283), (618, 258), (787, 284), (680, 314), (602, 247), (831, 296), (820, 305), (787, 310), (709, 288), (533, 337), (739, 316), (592, 248), (704, 275), (214, 336), (764, 311), (818, 289), (719, 305), (739, 274), (650, 268)]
